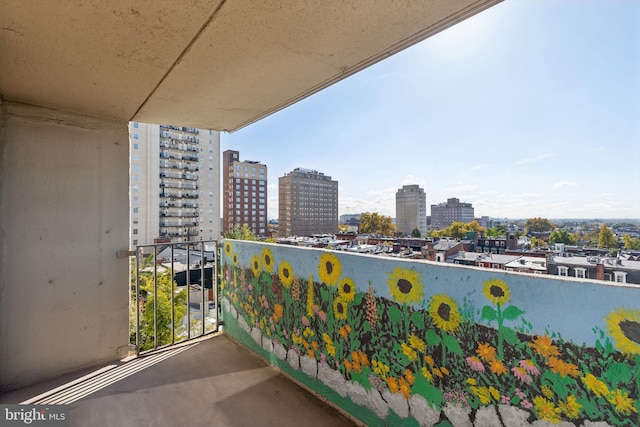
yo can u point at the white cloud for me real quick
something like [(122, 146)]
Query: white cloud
[(463, 188), (564, 184), (535, 159), (480, 167)]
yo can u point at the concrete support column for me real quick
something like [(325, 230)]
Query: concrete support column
[(64, 210)]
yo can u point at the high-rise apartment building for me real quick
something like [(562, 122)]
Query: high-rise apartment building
[(443, 214), (411, 210), (244, 200), (308, 203), (174, 183)]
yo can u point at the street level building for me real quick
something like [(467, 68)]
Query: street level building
[(308, 203), (444, 214), (174, 184), (411, 210), (244, 193)]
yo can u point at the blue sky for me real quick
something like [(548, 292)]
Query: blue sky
[(530, 108)]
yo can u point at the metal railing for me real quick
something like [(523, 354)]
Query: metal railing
[(175, 297)]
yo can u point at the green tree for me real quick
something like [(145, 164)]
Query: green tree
[(416, 233), (458, 230), (561, 236), (374, 223), (606, 238), (537, 243), (163, 296), (631, 243), (538, 225), (497, 230), (240, 233)]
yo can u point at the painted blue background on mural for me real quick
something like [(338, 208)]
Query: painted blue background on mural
[(569, 307)]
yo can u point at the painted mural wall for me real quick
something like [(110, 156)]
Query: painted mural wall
[(406, 343)]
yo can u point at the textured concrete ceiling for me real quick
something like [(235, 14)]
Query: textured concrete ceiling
[(218, 64)]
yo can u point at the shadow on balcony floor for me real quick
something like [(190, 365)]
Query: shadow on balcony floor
[(214, 382)]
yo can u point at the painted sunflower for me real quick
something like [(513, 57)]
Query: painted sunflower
[(234, 258), (267, 260), (329, 269), (228, 248), (405, 285), (347, 289), (340, 308), (624, 326), (497, 291), (255, 265), (445, 313), (285, 272)]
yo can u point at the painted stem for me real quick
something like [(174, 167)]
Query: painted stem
[(500, 337), (444, 349)]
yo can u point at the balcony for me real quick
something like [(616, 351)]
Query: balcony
[(212, 382), (416, 342)]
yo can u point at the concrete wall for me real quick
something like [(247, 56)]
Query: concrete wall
[(407, 342), (63, 216)]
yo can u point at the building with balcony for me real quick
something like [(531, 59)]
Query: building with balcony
[(175, 183), (443, 214), (411, 210), (244, 194), (308, 203)]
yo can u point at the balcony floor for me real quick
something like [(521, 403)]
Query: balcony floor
[(212, 382)]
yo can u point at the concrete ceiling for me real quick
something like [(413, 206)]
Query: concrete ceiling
[(217, 64)]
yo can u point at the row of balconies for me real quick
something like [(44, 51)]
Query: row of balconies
[(179, 215), (172, 165), (177, 224), (178, 233), (193, 177), (180, 157), (185, 195), (166, 184), (178, 205)]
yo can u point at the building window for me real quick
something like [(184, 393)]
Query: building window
[(135, 146), (620, 276), (135, 210), (135, 125), (135, 136), (580, 273), (563, 271), (134, 231)]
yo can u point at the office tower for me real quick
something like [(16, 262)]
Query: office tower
[(411, 210), (443, 214), (308, 203), (174, 184), (244, 200)]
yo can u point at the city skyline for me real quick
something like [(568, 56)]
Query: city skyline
[(528, 109)]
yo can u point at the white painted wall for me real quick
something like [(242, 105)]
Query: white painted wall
[(63, 216)]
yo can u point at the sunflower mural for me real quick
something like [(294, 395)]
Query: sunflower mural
[(426, 343), (446, 316), (497, 291)]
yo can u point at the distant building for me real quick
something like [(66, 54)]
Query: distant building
[(619, 270), (308, 203), (350, 219), (443, 214), (174, 183), (442, 249), (244, 198), (496, 245), (411, 210)]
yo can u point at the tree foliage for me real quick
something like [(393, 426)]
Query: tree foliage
[(416, 233), (497, 230), (240, 233), (631, 243), (538, 225), (163, 296), (374, 223), (561, 236), (606, 238), (458, 230)]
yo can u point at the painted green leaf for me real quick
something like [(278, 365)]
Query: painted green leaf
[(515, 401), (395, 315), (433, 338), (618, 373), (510, 336), (418, 319), (432, 394), (512, 312), (489, 313), (452, 344)]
